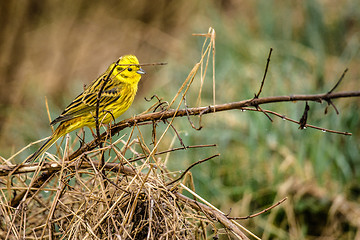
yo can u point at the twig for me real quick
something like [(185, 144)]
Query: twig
[(294, 121), (172, 150), (261, 212), (339, 81), (176, 132), (329, 92), (97, 124), (150, 64), (262, 85), (264, 112), (191, 166), (188, 117), (265, 73)]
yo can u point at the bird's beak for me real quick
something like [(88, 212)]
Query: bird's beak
[(141, 71)]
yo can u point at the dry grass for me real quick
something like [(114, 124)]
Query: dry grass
[(78, 202)]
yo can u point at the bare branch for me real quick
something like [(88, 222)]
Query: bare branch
[(264, 77)]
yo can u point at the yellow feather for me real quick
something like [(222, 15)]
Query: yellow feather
[(117, 96)]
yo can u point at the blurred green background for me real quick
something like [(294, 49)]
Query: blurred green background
[(51, 48)]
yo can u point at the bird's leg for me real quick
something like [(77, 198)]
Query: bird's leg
[(81, 139)]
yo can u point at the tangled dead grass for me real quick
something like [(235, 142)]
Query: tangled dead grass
[(101, 194), (78, 202)]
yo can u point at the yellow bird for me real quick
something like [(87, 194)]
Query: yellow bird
[(118, 94)]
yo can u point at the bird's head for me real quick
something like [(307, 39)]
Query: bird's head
[(127, 69)]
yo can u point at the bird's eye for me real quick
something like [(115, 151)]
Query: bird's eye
[(129, 69)]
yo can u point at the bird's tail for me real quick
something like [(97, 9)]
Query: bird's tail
[(52, 139)]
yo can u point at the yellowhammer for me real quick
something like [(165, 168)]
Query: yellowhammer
[(118, 94)]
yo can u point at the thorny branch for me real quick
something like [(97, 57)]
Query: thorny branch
[(150, 117)]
